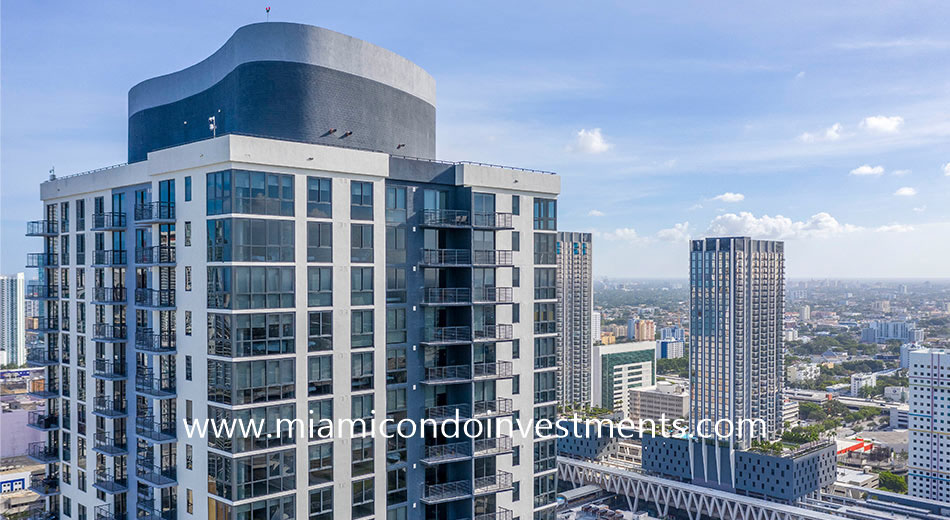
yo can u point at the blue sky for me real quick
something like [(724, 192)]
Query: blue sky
[(822, 123)]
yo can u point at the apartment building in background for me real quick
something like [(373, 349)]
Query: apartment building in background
[(928, 453), (653, 403), (12, 320), (621, 367), (575, 307), (272, 251)]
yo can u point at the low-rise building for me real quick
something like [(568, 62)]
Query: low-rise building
[(656, 402), (670, 349), (802, 372), (789, 413), (619, 368), (895, 393), (859, 381), (790, 335), (847, 479), (898, 416)]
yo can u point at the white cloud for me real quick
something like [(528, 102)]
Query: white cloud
[(626, 234), (921, 209), (901, 172), (595, 213), (800, 75), (883, 124), (695, 207), (677, 233), (894, 228), (867, 169), (590, 141), (901, 43), (819, 225), (729, 197), (906, 191), (946, 169), (832, 133)]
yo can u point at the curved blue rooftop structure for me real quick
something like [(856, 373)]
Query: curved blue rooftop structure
[(294, 82)]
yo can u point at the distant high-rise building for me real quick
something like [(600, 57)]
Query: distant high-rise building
[(806, 313), (595, 330), (737, 307), (575, 307), (928, 461), (619, 368), (643, 330), (670, 349), (12, 320), (880, 331), (674, 333)]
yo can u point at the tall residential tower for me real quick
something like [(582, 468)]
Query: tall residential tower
[(266, 255), (928, 453), (575, 302), (12, 320)]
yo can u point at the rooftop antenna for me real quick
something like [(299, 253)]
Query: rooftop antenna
[(267, 12), (213, 127), (52, 173)]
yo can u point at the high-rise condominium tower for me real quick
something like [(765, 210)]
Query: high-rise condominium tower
[(294, 267), (737, 288), (575, 305), (12, 320), (928, 452)]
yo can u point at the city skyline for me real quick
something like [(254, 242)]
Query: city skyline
[(695, 136)]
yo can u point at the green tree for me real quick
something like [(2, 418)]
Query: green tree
[(892, 482)]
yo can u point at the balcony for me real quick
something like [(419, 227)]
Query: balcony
[(446, 218), (493, 446), (148, 513), (154, 212), (155, 255), (155, 298), (108, 482), (493, 370), (494, 408), (493, 258), (112, 445), (438, 493), (146, 340), (42, 356), (155, 432), (50, 391), (447, 375), (442, 413), (501, 332), (493, 483), (447, 296), (41, 260), (42, 453), (447, 335), (39, 291), (38, 511), (446, 257), (44, 485), (109, 370), (156, 476), (109, 296), (43, 325), (110, 408), (109, 257), (445, 453), (108, 333), (105, 512), (112, 221), (42, 421), (161, 387), (42, 228), (493, 220), (499, 514), (491, 295)]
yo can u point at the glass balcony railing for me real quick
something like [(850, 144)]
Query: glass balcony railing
[(42, 356), (110, 407), (160, 387), (493, 445), (495, 369), (435, 493), (113, 445), (156, 431), (39, 291), (39, 420), (43, 324), (495, 257), (155, 342), (109, 370), (452, 218), (157, 476), (108, 482), (493, 220), (42, 228), (109, 257), (499, 514), (446, 257), (493, 408), (108, 221), (447, 295), (109, 295), (492, 295), (447, 374), (501, 481), (154, 212), (155, 255), (454, 334), (441, 413), (109, 333), (155, 298), (43, 453), (44, 485), (41, 260), (499, 332)]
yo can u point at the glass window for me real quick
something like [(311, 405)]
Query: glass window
[(515, 205), (266, 416), (515, 241), (319, 242), (321, 503), (252, 287), (319, 375), (516, 277), (362, 329), (248, 382), (395, 486), (362, 407), (361, 244), (250, 477), (321, 464), (219, 193), (250, 240), (363, 498), (320, 332), (362, 285), (396, 449), (320, 412), (545, 214), (361, 200), (396, 204), (319, 286), (545, 283), (395, 285), (396, 325), (318, 198), (544, 252), (396, 404), (395, 366), (188, 188), (395, 245), (362, 371), (363, 456), (243, 335)]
